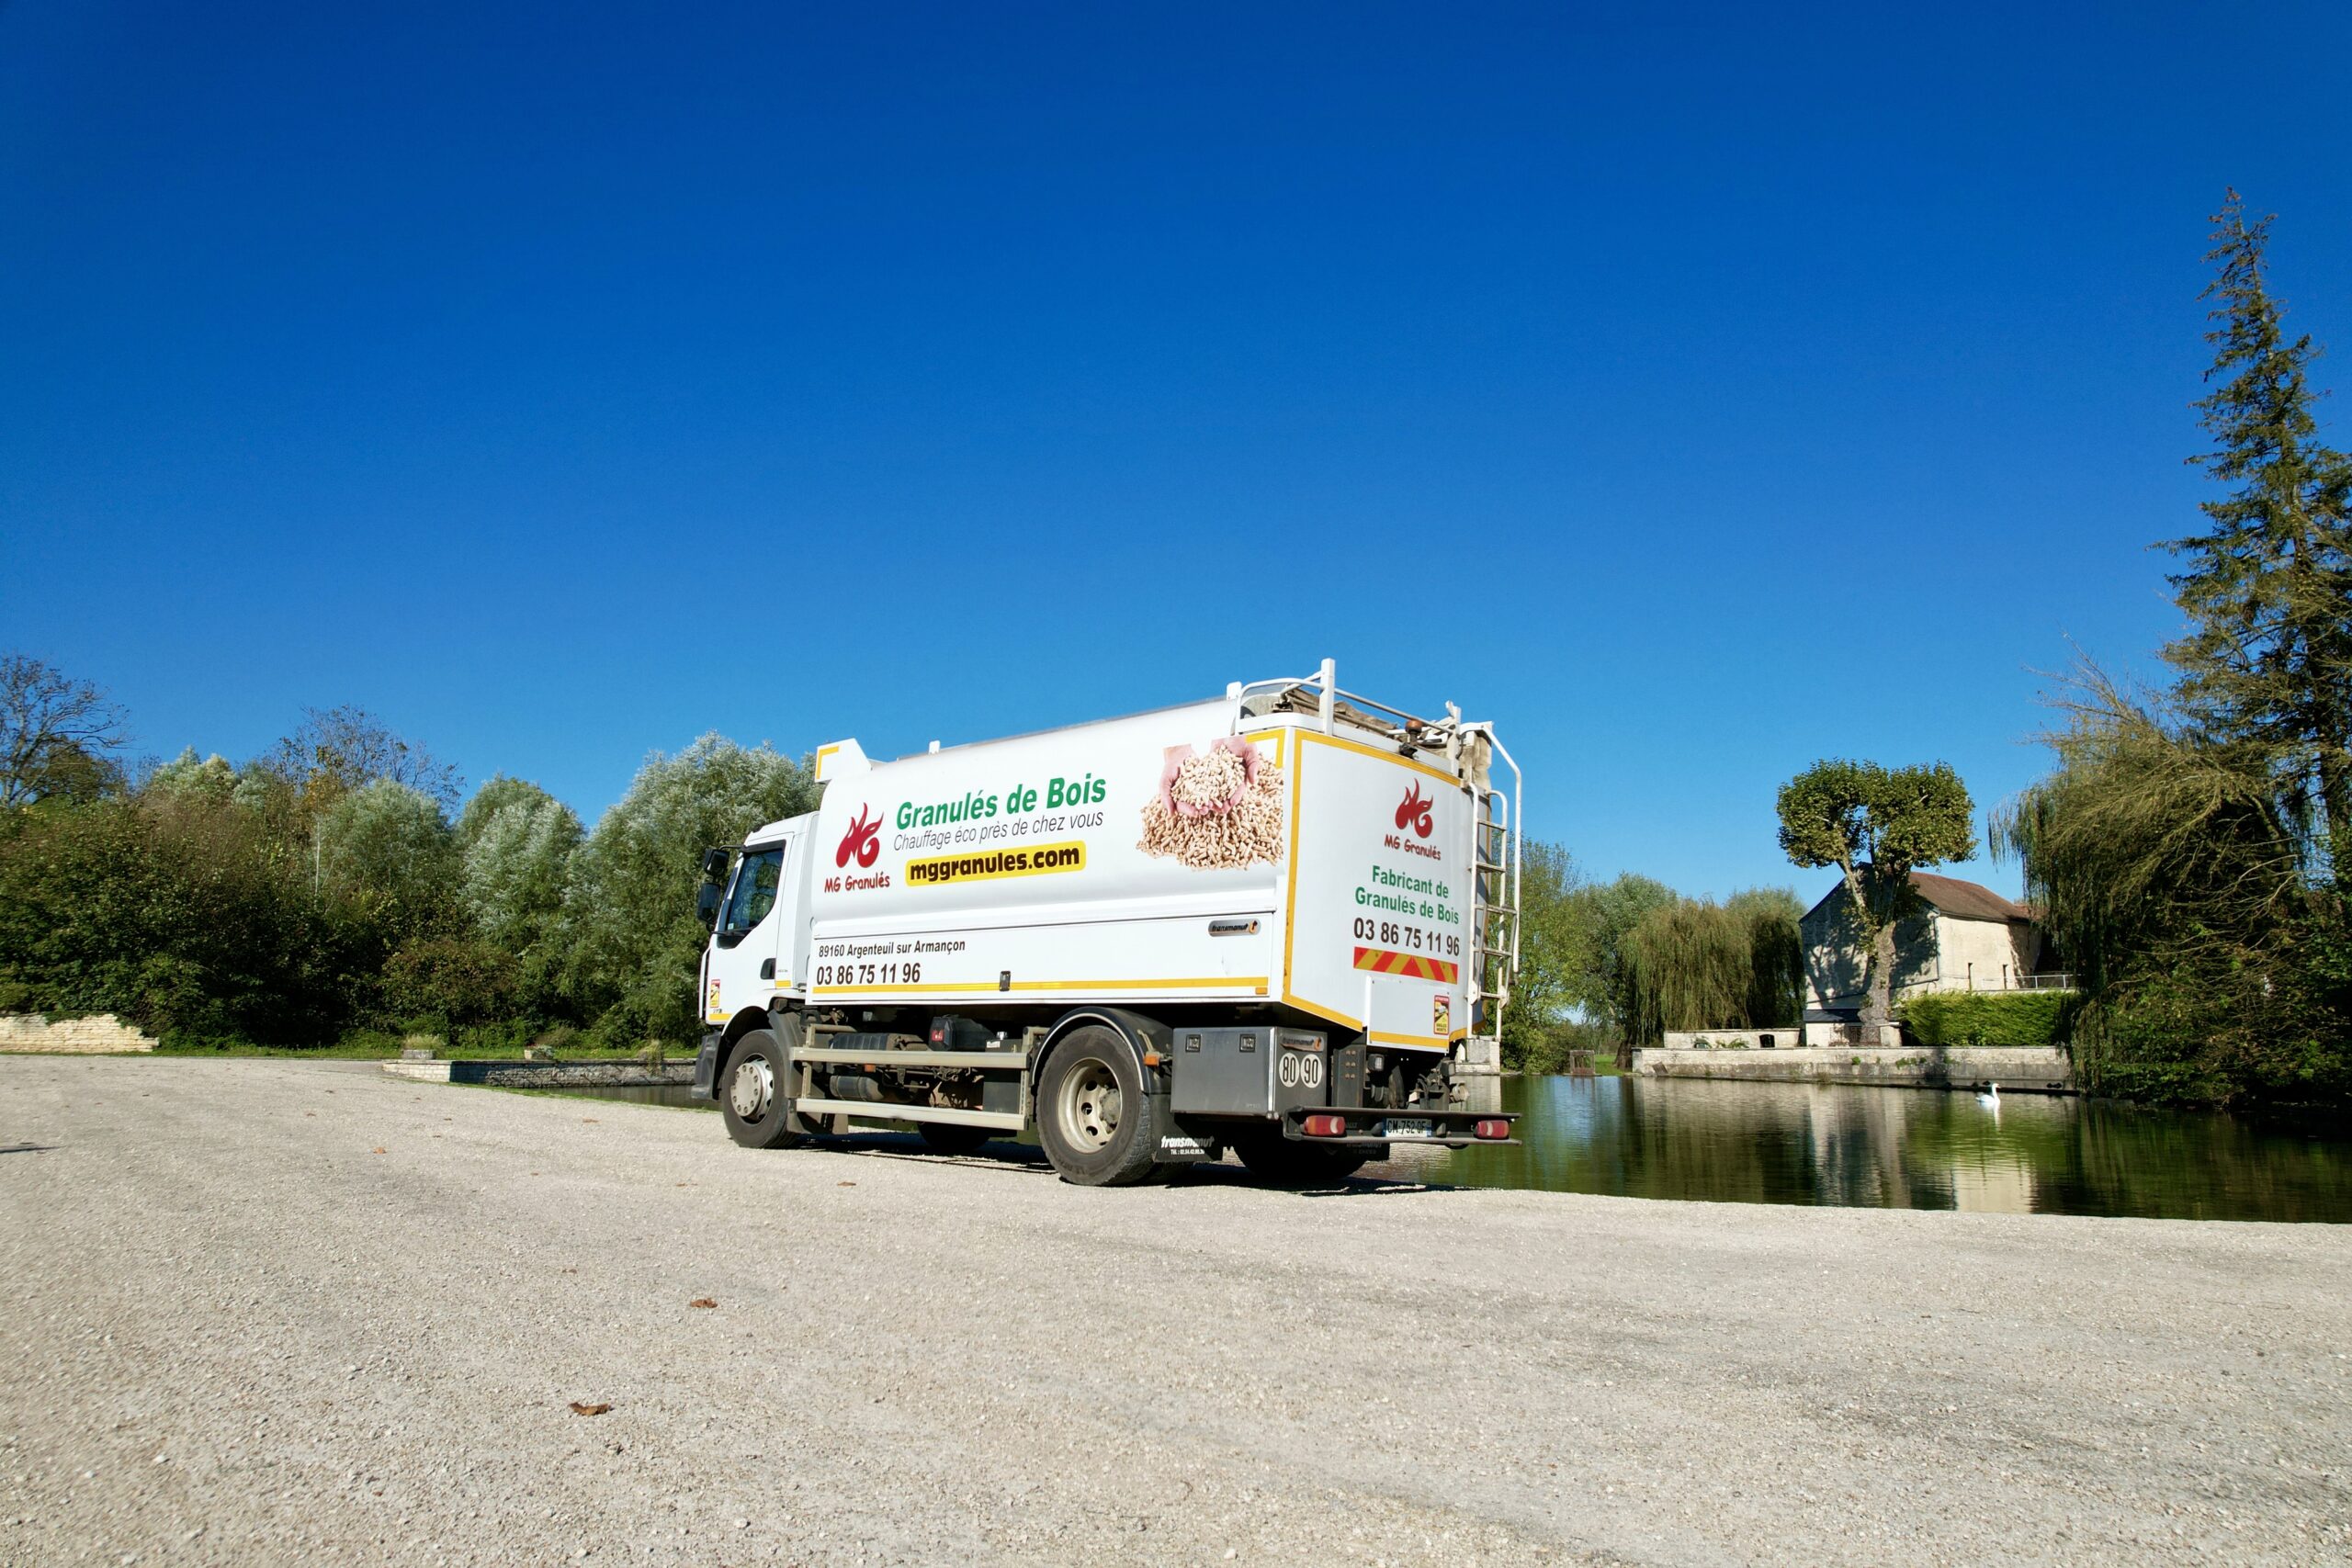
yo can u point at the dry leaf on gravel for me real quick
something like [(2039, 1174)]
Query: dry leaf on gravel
[(580, 1409), (383, 1150), (590, 1120), (702, 1302), (844, 1183)]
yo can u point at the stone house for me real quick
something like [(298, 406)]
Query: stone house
[(1964, 937)]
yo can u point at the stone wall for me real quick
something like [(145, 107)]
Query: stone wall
[(1851, 1034), (98, 1035), (2043, 1069), (1787, 1035)]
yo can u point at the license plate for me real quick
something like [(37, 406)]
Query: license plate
[(1407, 1127)]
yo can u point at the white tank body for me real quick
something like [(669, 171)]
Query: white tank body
[(1188, 855)]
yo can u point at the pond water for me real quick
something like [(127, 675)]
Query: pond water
[(1878, 1148)]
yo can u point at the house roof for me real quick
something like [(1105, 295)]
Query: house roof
[(1950, 896), (1969, 900)]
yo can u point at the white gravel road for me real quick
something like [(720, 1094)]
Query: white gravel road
[(268, 1313)]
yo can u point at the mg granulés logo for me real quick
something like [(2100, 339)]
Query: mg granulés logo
[(861, 844), (859, 849), (1415, 812), (1415, 823)]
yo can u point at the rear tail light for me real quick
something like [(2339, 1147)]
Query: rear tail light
[(1326, 1126), (1491, 1127)]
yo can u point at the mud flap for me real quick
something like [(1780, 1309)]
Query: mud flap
[(707, 1068)]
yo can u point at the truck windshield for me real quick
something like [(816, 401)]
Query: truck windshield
[(754, 892)]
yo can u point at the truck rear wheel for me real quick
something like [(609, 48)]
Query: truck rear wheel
[(1287, 1162), (751, 1092), (1098, 1126)]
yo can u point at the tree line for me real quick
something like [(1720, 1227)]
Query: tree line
[(1607, 966), (333, 885)]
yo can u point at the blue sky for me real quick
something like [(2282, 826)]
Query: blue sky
[(1697, 393)]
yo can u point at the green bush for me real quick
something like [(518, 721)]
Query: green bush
[(501, 1038), (445, 984), (1989, 1018), (1545, 1047), (180, 918)]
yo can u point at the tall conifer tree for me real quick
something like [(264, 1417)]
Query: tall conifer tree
[(2267, 657)]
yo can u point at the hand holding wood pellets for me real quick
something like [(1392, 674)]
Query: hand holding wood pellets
[(1215, 810)]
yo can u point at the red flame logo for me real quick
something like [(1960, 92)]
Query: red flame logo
[(1415, 812), (863, 840)]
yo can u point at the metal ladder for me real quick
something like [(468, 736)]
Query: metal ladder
[(1495, 919)]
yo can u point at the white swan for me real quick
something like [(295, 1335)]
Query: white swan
[(1992, 1099)]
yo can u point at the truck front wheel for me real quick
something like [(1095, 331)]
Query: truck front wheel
[(751, 1092), (1096, 1122)]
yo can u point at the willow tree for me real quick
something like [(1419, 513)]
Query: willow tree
[(2266, 659), (1691, 963), (1688, 965), (2167, 869), (1877, 825), (1770, 917)]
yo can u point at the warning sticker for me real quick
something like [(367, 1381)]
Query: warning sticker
[(1412, 966)]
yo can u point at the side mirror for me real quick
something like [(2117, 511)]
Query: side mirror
[(714, 865), (707, 904)]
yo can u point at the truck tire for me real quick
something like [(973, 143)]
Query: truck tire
[(1098, 1126), (1287, 1162), (751, 1089), (945, 1138)]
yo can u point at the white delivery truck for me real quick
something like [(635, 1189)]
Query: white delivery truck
[(1281, 922)]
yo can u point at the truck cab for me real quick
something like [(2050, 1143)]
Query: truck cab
[(759, 927)]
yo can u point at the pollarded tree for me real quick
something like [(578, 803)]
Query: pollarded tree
[(1877, 825)]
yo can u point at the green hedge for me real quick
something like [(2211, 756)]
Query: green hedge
[(1990, 1018)]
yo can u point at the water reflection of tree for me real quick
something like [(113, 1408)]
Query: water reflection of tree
[(1725, 1142), (1961, 1154), (2207, 1166), (1902, 1148)]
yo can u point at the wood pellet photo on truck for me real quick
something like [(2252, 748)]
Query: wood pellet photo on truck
[(1281, 921)]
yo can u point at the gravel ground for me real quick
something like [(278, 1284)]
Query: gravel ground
[(269, 1312)]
